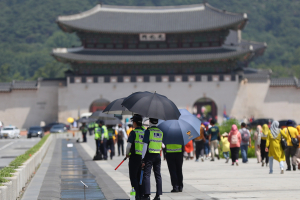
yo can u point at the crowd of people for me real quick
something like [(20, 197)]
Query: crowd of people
[(144, 149)]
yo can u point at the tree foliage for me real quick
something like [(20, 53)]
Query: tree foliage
[(28, 32)]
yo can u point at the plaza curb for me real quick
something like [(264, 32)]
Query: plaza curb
[(11, 190)]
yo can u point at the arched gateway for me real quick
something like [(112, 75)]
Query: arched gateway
[(206, 108)]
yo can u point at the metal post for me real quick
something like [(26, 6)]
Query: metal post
[(84, 186)]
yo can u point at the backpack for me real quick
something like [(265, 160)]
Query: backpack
[(205, 133), (120, 134), (245, 136), (234, 139)]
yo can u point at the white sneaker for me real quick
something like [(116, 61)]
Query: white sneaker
[(282, 171), (202, 159)]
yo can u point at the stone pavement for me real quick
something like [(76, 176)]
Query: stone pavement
[(213, 180), (202, 180)]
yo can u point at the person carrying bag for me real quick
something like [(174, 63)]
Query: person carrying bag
[(292, 145)]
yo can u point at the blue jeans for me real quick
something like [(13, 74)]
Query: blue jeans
[(244, 152), (206, 148), (281, 164), (226, 154)]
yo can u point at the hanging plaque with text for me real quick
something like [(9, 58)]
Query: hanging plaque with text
[(152, 36)]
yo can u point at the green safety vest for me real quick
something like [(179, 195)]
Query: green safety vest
[(105, 132), (174, 148), (155, 140), (92, 125), (84, 129), (110, 132), (138, 143), (97, 133)]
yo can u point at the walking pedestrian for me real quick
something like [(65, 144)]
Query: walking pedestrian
[(134, 153), (235, 140), (225, 146), (121, 137), (298, 151), (246, 142), (110, 145), (214, 133), (263, 153), (200, 142), (151, 159), (84, 130), (257, 139), (174, 155), (206, 145), (291, 149), (103, 139), (189, 149), (273, 146)]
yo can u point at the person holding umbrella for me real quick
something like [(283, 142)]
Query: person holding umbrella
[(151, 158), (134, 153), (177, 133)]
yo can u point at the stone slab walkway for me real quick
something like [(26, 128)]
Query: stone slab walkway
[(213, 180)]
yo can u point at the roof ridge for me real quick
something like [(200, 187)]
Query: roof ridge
[(224, 11)]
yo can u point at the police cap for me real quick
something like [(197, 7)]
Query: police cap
[(153, 120), (137, 118)]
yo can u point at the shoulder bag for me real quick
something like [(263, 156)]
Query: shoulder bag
[(295, 141), (283, 143)]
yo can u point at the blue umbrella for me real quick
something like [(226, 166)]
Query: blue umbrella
[(180, 131)]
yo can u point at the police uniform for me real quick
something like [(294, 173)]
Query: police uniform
[(174, 156), (104, 138), (110, 145), (92, 127), (84, 130), (136, 139), (98, 132), (153, 137)]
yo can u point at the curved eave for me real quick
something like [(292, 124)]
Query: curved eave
[(135, 20), (77, 57)]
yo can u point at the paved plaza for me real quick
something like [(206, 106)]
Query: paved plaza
[(202, 180)]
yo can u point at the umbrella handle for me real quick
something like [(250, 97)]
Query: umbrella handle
[(121, 163)]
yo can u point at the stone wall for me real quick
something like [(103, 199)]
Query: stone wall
[(25, 108)]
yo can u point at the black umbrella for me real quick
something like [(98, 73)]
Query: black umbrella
[(112, 122), (102, 116), (151, 105), (116, 108), (85, 120)]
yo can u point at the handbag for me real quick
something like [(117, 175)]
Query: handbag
[(295, 141), (283, 143)]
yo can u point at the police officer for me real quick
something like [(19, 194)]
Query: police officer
[(84, 130), (110, 145), (104, 137), (134, 153), (98, 132), (92, 127), (151, 158), (174, 156)]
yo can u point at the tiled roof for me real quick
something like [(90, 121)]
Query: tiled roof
[(24, 85), (18, 85), (140, 56), (284, 82), (140, 19)]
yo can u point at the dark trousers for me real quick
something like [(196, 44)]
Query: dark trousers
[(121, 147), (91, 131), (84, 137), (263, 152), (152, 160), (199, 148), (291, 151), (110, 146), (175, 161), (135, 173), (97, 147), (165, 153), (234, 153), (104, 149)]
